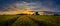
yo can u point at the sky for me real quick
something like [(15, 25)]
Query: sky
[(19, 5)]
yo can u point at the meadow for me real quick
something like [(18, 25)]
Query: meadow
[(32, 20)]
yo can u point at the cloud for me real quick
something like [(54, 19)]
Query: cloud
[(23, 6)]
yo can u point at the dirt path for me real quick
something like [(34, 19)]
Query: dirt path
[(24, 21)]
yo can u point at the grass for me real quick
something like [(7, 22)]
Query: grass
[(5, 20), (33, 20), (48, 20)]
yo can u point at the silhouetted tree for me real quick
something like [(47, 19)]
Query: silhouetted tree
[(36, 13)]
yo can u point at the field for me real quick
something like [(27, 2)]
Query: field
[(33, 20)]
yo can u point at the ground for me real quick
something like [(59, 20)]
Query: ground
[(33, 20)]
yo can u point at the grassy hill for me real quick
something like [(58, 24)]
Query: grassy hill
[(33, 20)]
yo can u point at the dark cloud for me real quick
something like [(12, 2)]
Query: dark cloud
[(39, 4)]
